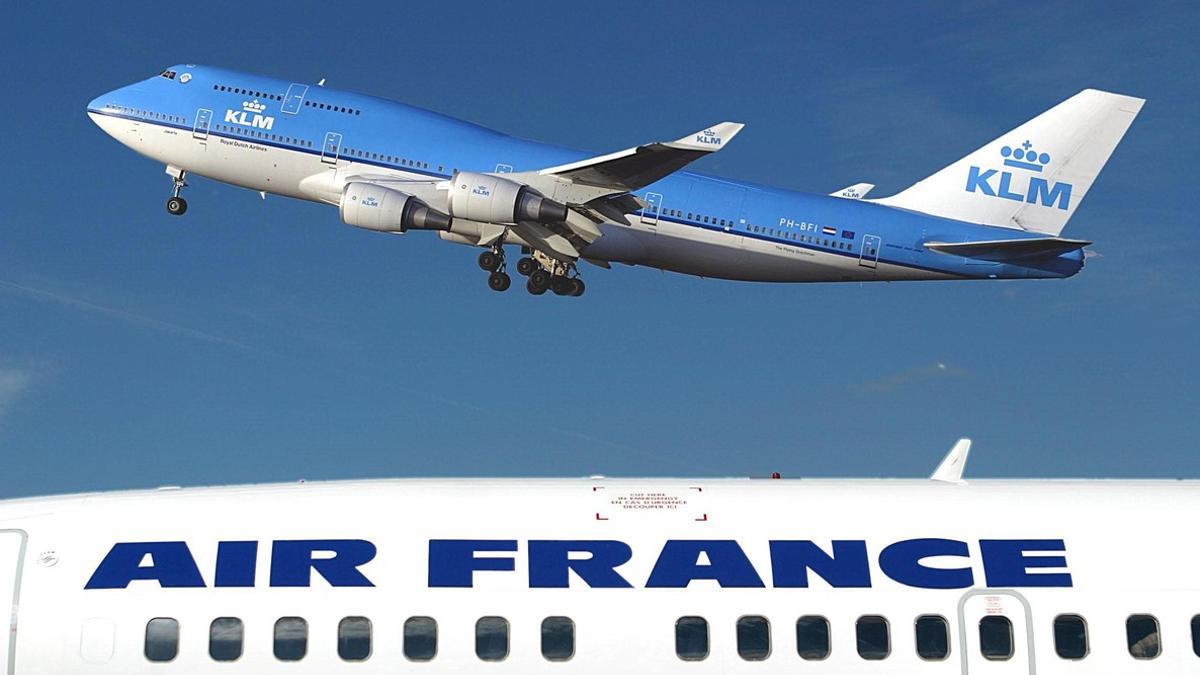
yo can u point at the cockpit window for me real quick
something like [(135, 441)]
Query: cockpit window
[(169, 74)]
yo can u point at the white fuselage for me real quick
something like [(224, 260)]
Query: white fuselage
[(622, 560)]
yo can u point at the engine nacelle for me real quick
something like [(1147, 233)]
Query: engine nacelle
[(492, 199), (382, 209)]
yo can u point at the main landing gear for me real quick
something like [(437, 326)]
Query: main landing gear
[(546, 274), (176, 205), (493, 262)]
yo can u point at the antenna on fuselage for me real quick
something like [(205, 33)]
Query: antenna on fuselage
[(321, 83)]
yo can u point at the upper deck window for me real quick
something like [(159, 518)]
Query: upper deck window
[(169, 74)]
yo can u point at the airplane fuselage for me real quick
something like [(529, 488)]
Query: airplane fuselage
[(307, 142)]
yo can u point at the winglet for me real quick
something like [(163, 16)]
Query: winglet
[(951, 468), (856, 191), (708, 140)]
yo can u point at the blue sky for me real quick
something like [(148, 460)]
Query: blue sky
[(263, 341)]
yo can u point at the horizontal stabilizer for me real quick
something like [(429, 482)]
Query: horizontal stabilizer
[(1009, 249), (856, 191)]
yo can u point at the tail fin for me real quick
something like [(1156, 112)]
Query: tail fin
[(1033, 177)]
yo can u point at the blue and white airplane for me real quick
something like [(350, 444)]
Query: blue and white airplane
[(997, 213)]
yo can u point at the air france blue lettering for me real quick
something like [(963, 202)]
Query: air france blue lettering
[(1005, 564), (236, 564), (452, 562), (846, 568), (292, 562), (170, 564), (679, 564), (550, 563), (903, 561), (1041, 193)]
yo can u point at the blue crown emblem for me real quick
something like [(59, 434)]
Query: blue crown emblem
[(1024, 157)]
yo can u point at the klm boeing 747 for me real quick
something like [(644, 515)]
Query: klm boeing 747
[(997, 213)]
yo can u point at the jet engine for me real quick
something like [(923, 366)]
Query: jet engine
[(383, 209), (492, 199)]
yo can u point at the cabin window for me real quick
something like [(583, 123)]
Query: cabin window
[(491, 638), (873, 638), (291, 638), (691, 638), (420, 638), (1070, 636), (996, 638), (753, 638), (933, 637), (558, 638), (1196, 634), (812, 638), (1141, 631), (354, 638), (225, 639), (162, 640)]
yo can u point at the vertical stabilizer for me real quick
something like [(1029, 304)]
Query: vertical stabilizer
[(1034, 177)]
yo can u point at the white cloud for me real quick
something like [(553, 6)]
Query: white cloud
[(14, 383), (904, 378)]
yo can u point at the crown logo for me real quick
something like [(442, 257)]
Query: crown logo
[(710, 133), (253, 106), (1024, 157)]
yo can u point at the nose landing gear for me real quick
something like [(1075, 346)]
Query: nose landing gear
[(176, 205)]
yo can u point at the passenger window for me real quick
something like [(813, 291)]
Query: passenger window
[(558, 638), (354, 638), (874, 638), (812, 638), (753, 638), (691, 638), (162, 640), (1196, 634), (491, 638), (933, 637), (420, 638), (225, 639), (291, 638), (1070, 636), (996, 638), (1141, 631)]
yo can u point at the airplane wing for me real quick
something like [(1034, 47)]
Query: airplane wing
[(637, 167), (1009, 249), (856, 191)]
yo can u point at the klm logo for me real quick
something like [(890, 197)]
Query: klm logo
[(370, 201), (1037, 190), (708, 137), (482, 191), (250, 116)]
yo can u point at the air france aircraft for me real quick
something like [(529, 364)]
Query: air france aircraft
[(597, 575), (997, 213)]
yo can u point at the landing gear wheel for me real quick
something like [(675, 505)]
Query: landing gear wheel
[(176, 206), (540, 280), (577, 287), (489, 261), (562, 286), (526, 266), (534, 290), (499, 281)]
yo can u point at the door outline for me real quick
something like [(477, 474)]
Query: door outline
[(964, 655), (331, 148), (868, 255), (504, 168), (653, 208), (293, 99), (203, 122), (10, 659)]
